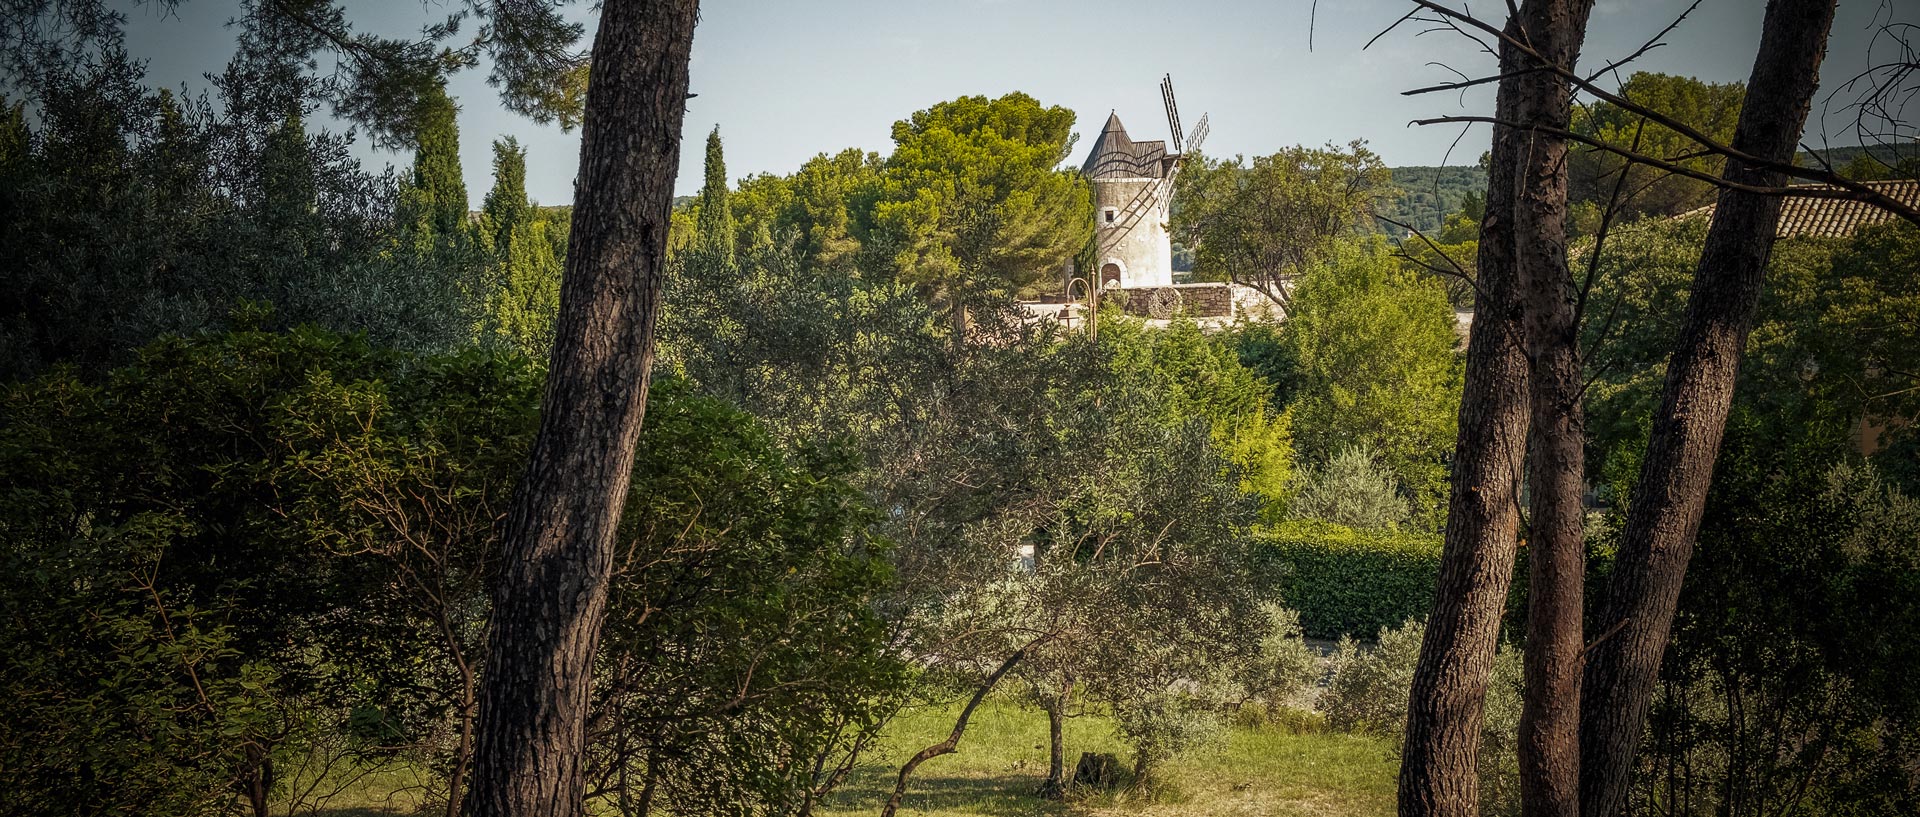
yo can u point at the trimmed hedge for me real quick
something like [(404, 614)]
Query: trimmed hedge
[(1349, 582)]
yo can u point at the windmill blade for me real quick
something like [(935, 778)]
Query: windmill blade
[(1195, 139), (1173, 110), (1163, 189)]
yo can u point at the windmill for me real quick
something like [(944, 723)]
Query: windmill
[(1181, 147), (1134, 184)]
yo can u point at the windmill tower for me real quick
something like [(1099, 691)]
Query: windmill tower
[(1133, 194)]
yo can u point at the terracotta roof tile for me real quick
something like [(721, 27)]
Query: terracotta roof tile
[(1809, 217)]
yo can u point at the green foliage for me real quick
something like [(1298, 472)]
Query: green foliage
[(506, 207), (1347, 582), (1261, 223), (971, 202), (1374, 350), (1285, 668), (1350, 490), (715, 216), (1201, 377), (1829, 347), (1368, 693), (1789, 685), (374, 81), (527, 249), (132, 214), (434, 200), (247, 554), (1592, 175), (1427, 195), (756, 567), (823, 210), (220, 600)]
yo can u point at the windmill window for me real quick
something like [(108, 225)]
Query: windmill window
[(1110, 215)]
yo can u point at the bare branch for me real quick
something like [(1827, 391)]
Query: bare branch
[(1840, 188)]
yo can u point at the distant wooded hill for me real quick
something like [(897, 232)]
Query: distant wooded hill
[(1429, 193), (1840, 156)]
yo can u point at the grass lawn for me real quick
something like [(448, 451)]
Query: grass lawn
[(1003, 759)]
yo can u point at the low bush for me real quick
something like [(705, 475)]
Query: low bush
[(1368, 695), (1345, 582)]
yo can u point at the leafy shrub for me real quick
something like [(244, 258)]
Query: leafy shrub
[(1347, 582), (1351, 490), (1790, 685), (1290, 720), (1368, 693), (252, 559), (1285, 666)]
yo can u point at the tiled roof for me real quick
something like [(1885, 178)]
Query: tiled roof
[(1810, 217), (1116, 156)]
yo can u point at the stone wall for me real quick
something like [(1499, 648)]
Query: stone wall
[(1212, 300)]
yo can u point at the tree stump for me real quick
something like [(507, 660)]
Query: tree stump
[(1100, 771)]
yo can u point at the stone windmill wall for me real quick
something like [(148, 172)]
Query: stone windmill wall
[(1131, 212)]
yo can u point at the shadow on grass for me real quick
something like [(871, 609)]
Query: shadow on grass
[(1007, 795)]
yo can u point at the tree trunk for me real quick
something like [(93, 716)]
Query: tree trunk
[(1549, 739), (558, 537), (257, 783), (1438, 769), (1056, 785), (952, 742), (1664, 514)]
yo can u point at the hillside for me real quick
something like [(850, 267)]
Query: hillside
[(1428, 194)]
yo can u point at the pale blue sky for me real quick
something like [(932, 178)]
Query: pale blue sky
[(788, 79)]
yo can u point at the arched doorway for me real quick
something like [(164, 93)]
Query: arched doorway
[(1110, 275)]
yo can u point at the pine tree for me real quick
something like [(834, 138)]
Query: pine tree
[(716, 215)]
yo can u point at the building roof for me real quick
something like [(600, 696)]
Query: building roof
[(1809, 217), (1114, 156)]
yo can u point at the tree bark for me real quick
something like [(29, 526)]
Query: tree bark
[(1056, 785), (1549, 739), (1444, 713), (558, 537), (952, 743), (1668, 499)]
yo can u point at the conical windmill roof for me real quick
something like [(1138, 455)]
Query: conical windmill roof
[(1116, 156)]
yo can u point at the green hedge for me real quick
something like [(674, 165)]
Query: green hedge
[(1348, 582)]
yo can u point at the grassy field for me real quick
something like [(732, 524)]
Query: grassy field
[(1003, 760)]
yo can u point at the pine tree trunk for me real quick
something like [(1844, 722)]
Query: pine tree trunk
[(558, 538), (1549, 739), (1445, 706), (1664, 514)]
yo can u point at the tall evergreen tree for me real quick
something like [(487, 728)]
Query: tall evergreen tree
[(506, 206), (435, 198), (523, 279), (716, 214)]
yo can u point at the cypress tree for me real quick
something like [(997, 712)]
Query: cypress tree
[(506, 206), (440, 273), (524, 284), (288, 191), (716, 215), (435, 198)]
